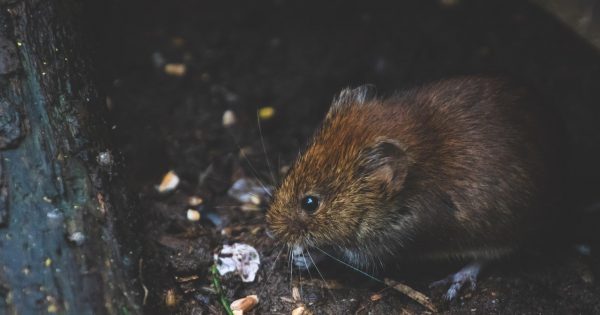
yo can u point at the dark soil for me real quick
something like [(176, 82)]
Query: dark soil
[(294, 56)]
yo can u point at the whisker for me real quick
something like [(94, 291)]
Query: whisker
[(270, 272), (255, 173), (279, 164), (300, 275), (323, 278), (350, 266), (226, 207), (291, 269), (306, 264), (262, 142)]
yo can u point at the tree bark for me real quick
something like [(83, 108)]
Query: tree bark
[(59, 200)]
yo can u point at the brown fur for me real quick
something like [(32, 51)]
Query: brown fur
[(460, 168)]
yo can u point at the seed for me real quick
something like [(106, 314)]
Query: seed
[(169, 182), (228, 118), (175, 69), (244, 304), (266, 113), (193, 215)]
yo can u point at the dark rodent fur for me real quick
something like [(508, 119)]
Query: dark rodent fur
[(465, 167)]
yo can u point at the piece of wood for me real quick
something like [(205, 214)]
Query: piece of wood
[(59, 201), (415, 295)]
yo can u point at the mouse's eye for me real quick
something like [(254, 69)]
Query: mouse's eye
[(309, 203)]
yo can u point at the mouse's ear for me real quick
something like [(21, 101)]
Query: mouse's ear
[(357, 96), (385, 162)]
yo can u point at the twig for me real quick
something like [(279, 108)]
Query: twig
[(412, 293)]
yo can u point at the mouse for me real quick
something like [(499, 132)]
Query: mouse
[(464, 168)]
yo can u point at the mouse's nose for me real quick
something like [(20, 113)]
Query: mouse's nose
[(291, 230), (298, 223)]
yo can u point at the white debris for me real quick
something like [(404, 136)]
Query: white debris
[(55, 214), (105, 158), (168, 183), (78, 238), (247, 190), (240, 258)]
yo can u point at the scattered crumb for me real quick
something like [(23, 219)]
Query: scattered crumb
[(266, 113), (170, 297), (175, 69), (375, 297), (194, 201), (301, 310), (229, 118), (168, 183), (296, 294), (193, 215)]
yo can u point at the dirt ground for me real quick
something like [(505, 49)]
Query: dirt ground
[(294, 56)]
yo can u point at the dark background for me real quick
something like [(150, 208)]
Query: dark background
[(295, 56)]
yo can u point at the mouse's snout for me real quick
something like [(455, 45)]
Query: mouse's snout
[(290, 225)]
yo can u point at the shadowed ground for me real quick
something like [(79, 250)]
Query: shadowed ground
[(294, 56)]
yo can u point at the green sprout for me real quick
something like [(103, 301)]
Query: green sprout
[(216, 281)]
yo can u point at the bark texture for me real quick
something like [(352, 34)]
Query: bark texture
[(59, 200)]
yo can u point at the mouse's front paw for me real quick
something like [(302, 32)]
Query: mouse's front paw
[(467, 275)]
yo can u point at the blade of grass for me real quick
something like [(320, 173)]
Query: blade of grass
[(219, 289)]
